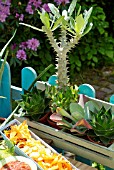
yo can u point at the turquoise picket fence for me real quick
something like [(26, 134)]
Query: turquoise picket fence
[(28, 75)]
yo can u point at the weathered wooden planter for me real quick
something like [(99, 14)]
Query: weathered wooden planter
[(74, 144)]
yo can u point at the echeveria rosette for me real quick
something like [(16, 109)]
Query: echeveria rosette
[(102, 123)]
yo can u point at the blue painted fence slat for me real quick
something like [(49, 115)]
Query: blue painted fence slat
[(28, 75), (5, 90), (87, 89)]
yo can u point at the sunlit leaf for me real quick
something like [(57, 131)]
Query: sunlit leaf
[(72, 7), (88, 29), (79, 23), (45, 19), (77, 111), (83, 122), (78, 13), (54, 10), (4, 48), (86, 17), (3, 65), (58, 22), (64, 113)]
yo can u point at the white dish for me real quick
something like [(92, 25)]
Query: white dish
[(18, 158)]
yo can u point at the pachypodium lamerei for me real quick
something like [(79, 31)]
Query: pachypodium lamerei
[(72, 27)]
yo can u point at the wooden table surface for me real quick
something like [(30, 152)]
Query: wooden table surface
[(80, 165)]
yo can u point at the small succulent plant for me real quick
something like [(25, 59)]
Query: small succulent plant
[(92, 120), (62, 97), (35, 101), (102, 122), (76, 121)]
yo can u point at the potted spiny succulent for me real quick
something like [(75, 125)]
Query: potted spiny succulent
[(73, 26)]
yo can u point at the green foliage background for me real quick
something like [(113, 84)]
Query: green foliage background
[(94, 50)]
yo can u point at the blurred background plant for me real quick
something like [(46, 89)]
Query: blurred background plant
[(2, 65), (31, 48)]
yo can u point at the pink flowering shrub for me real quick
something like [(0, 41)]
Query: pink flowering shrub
[(31, 44), (26, 43), (28, 46)]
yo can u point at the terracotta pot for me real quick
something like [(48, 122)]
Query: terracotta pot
[(99, 142), (2, 119), (44, 118), (92, 140)]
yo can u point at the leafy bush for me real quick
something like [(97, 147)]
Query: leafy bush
[(37, 58), (97, 47)]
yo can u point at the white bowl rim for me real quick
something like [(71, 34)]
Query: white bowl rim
[(28, 161)]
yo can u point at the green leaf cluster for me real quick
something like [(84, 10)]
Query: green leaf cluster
[(34, 103), (102, 123), (62, 97), (93, 120), (96, 48)]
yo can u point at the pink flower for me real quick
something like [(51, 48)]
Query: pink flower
[(29, 9), (21, 55), (33, 44), (13, 46), (46, 8), (17, 15), (63, 2), (4, 9), (20, 16), (33, 5), (23, 45)]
